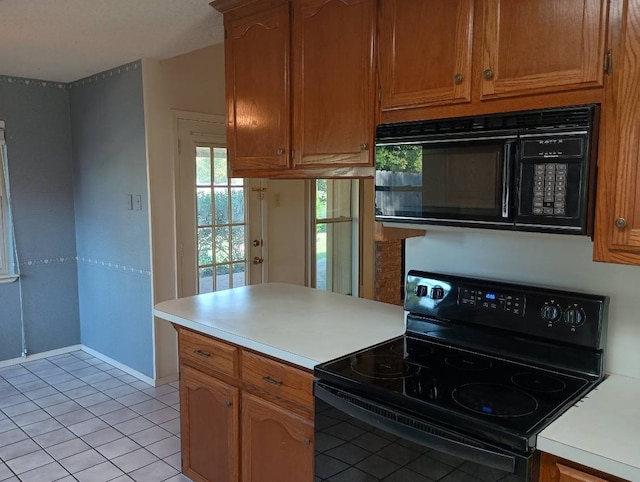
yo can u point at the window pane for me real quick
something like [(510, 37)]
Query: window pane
[(222, 277), (222, 205), (237, 205), (222, 245), (204, 206), (237, 243), (220, 166), (239, 274), (203, 166), (338, 237), (321, 256), (339, 198), (205, 247), (205, 280), (321, 198)]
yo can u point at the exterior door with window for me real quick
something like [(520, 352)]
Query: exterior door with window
[(220, 218)]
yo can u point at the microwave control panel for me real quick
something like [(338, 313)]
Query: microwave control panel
[(549, 189)]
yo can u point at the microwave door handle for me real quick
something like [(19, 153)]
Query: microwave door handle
[(509, 147)]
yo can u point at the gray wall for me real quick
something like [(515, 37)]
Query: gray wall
[(109, 155), (41, 176)]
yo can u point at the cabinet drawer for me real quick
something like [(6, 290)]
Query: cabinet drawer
[(277, 381), (208, 354)]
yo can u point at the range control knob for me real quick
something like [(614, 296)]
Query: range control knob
[(422, 290), (574, 316), (437, 292), (551, 312)]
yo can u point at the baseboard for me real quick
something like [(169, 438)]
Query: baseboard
[(39, 356), (129, 370)]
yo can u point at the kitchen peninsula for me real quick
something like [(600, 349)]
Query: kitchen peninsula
[(246, 360)]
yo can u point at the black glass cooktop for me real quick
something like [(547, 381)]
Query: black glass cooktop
[(482, 394)]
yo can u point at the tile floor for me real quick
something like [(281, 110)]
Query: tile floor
[(73, 417)]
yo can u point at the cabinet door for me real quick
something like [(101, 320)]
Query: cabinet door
[(334, 83), (555, 469), (276, 444), (617, 236), (257, 83), (532, 46), (209, 427), (425, 52)]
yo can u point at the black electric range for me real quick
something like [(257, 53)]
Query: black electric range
[(483, 367)]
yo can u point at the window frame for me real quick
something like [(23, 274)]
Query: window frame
[(354, 220), (6, 243)]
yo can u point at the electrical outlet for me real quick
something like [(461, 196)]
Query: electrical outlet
[(137, 202), (129, 201)]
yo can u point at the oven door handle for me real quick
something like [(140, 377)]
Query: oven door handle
[(404, 426)]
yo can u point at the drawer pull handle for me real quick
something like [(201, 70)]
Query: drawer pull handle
[(201, 353), (270, 380)]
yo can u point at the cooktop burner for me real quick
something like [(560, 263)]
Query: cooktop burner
[(538, 382), (495, 400), (467, 362), (383, 367)]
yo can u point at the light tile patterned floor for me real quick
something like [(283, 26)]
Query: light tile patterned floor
[(74, 417)]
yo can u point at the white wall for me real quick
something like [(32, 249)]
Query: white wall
[(557, 261)]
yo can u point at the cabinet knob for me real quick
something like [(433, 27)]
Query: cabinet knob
[(457, 79), (228, 404), (280, 151), (487, 74), (364, 146), (621, 223), (306, 441)]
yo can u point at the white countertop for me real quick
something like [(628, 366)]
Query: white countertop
[(601, 431), (303, 326)]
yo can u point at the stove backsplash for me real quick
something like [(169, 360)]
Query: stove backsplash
[(545, 260)]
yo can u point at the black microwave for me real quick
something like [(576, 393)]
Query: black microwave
[(524, 171)]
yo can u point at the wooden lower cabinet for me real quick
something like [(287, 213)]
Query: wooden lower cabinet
[(244, 416), (209, 411), (276, 443), (556, 469)]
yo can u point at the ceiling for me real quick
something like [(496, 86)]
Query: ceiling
[(66, 40)]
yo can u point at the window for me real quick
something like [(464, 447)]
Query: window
[(335, 240), (6, 262), (221, 223)]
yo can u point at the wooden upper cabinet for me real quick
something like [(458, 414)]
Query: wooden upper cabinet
[(617, 236), (333, 82), (537, 46), (257, 64), (425, 52)]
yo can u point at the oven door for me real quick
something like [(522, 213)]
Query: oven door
[(467, 182), (360, 439)]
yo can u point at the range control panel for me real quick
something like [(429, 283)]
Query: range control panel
[(566, 316), (493, 300)]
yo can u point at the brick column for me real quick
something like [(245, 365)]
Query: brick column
[(389, 272)]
